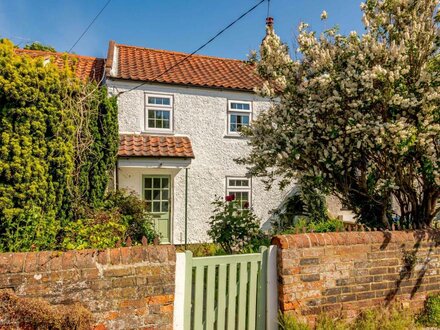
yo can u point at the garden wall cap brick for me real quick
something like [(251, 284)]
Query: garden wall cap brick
[(83, 259), (146, 64), (85, 67), (145, 145), (307, 240)]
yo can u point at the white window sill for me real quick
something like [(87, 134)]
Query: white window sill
[(235, 136), (158, 132)]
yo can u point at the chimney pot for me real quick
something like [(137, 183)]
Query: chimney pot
[(269, 21)]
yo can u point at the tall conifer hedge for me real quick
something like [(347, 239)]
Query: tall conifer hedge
[(49, 162)]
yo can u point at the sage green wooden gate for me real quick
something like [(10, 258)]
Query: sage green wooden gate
[(225, 292)]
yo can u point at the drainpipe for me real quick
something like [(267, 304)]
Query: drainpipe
[(117, 175), (186, 207)]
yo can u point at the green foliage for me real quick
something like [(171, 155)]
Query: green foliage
[(203, 249), (39, 46), (98, 144), (290, 322), (235, 229), (58, 145), (36, 149), (30, 231), (104, 230), (386, 319), (135, 216), (304, 224), (372, 319), (431, 313), (307, 202), (121, 215)]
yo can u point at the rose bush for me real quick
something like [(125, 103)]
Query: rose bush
[(235, 229)]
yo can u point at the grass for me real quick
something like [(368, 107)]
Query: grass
[(374, 319)]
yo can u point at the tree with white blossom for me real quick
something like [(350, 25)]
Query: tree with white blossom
[(357, 116)]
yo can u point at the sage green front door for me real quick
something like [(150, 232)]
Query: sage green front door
[(157, 193)]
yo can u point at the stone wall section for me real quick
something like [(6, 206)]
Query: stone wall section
[(124, 288), (346, 272)]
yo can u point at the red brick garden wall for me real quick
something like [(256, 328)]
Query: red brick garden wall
[(125, 288), (346, 272)]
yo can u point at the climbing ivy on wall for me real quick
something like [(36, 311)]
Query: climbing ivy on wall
[(99, 143)]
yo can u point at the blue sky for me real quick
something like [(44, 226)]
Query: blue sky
[(180, 25)]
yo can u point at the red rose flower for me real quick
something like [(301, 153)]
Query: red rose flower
[(230, 198)]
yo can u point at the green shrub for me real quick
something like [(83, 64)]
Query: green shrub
[(121, 215), (36, 149), (203, 249), (32, 231), (290, 322), (135, 216), (232, 227), (386, 319), (374, 319), (431, 313), (103, 230), (330, 225)]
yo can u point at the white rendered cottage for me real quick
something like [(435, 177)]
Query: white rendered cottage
[(179, 135)]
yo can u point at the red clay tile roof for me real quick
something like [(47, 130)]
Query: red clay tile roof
[(144, 145), (86, 68), (144, 64)]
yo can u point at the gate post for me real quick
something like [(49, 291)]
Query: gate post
[(179, 292), (272, 289)]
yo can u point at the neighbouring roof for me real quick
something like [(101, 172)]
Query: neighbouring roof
[(144, 145), (145, 64), (85, 67)]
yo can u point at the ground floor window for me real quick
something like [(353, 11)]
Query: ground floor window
[(240, 187)]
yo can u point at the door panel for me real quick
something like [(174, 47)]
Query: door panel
[(157, 192)]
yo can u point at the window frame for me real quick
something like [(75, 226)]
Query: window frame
[(158, 107), (237, 112), (231, 189)]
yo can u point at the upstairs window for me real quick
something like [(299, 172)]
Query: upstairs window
[(239, 115), (158, 112), (240, 187)]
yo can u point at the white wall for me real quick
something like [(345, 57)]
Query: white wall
[(201, 114)]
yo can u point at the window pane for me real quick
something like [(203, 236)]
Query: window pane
[(156, 183), (156, 206), (233, 119), (240, 106), (164, 183), (166, 124), (245, 120), (238, 183), (151, 123), (164, 206), (156, 195), (147, 182), (164, 194), (166, 115), (159, 100), (148, 195), (151, 114)]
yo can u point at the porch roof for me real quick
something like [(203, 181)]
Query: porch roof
[(146, 145)]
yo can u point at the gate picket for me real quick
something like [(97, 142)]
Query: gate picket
[(225, 292)]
